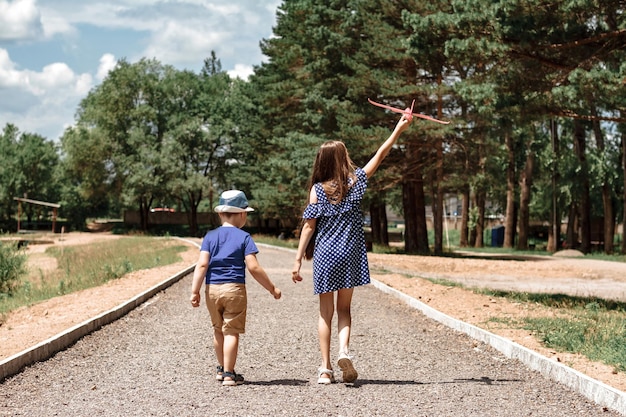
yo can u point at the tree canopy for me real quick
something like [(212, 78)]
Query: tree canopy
[(535, 92)]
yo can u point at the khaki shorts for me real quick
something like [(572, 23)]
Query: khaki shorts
[(227, 304)]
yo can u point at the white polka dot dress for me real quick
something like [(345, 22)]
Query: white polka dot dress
[(340, 256)]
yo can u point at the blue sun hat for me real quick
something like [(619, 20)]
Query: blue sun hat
[(233, 201)]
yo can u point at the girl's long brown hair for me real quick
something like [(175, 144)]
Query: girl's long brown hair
[(333, 168)]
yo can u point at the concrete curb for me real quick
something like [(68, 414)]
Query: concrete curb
[(61, 341), (592, 389)]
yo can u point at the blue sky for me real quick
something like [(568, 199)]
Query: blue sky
[(53, 52)]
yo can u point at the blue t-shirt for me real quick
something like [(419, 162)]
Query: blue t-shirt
[(227, 247)]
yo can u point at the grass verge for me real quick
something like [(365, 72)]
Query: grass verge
[(591, 326), (86, 266)]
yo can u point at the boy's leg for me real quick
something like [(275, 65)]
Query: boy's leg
[(212, 297), (234, 299), (327, 309), (218, 344), (230, 348)]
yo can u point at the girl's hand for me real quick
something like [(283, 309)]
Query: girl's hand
[(403, 123), (295, 273)]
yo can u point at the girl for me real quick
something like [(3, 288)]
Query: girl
[(340, 258)]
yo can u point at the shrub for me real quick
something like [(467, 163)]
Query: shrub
[(12, 267)]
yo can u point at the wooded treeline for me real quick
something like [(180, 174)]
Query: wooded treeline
[(535, 91)]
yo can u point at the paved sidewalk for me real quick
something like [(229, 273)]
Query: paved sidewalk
[(158, 361)]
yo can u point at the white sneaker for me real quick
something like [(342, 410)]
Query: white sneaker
[(321, 379), (349, 374)]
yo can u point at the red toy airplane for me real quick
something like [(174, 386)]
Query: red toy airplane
[(408, 112)]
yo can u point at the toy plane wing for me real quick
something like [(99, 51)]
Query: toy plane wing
[(408, 112)]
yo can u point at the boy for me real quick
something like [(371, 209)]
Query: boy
[(224, 255)]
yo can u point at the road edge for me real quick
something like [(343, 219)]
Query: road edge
[(47, 348), (596, 391)]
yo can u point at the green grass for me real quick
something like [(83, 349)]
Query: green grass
[(86, 266), (272, 240), (591, 326), (600, 336)]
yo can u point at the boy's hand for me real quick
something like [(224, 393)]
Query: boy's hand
[(277, 293), (195, 299)]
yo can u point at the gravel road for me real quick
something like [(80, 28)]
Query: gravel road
[(158, 361)]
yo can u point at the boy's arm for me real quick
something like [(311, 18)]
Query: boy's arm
[(199, 274), (260, 275)]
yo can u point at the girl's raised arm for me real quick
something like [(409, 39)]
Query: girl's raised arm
[(382, 152)]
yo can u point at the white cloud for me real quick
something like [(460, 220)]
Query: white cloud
[(179, 43), (19, 20), (107, 63), (241, 71), (42, 90), (36, 101), (180, 33)]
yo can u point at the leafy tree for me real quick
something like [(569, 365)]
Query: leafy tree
[(128, 111), (8, 171), (326, 59), (200, 135), (88, 188), (532, 60), (28, 163)]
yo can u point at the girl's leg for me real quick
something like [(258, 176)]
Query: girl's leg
[(344, 322), (231, 346), (327, 309), (344, 318)]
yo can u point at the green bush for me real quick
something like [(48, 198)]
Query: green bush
[(12, 267)]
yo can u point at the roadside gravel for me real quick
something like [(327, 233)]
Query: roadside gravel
[(158, 361)]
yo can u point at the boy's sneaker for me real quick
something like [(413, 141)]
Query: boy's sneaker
[(220, 373), (232, 379)]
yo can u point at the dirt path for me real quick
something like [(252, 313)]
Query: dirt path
[(29, 326), (158, 361)]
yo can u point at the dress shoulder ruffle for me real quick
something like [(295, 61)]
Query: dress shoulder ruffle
[(353, 199)]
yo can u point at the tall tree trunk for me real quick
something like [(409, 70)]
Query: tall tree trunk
[(481, 198), (193, 220), (144, 210), (571, 235), (607, 201), (379, 224), (192, 212), (384, 224), (414, 202), (526, 182), (375, 221), (463, 241), (438, 210), (554, 235), (472, 231), (624, 191), (410, 217), (580, 147), (509, 220), (422, 229)]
